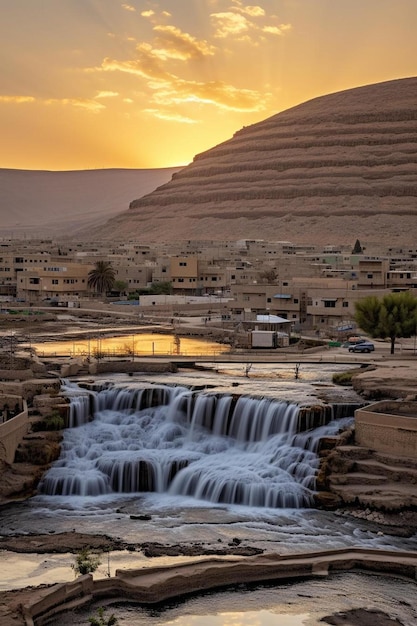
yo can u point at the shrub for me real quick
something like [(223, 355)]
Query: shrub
[(86, 562), (53, 421), (100, 620), (343, 378)]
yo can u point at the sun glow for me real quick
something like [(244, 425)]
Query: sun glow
[(144, 84)]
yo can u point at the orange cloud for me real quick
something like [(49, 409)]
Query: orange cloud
[(169, 116), (175, 44), (107, 94), (82, 103), (89, 105), (228, 23), (243, 22), (254, 11), (171, 90), (16, 99), (277, 30), (128, 7)]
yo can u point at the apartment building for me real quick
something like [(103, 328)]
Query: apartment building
[(184, 274), (372, 273), (60, 282)]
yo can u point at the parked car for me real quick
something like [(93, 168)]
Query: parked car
[(364, 346), (352, 341)]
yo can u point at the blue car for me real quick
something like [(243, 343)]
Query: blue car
[(364, 346)]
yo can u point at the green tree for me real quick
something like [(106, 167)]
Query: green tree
[(102, 277), (100, 620), (393, 316), (357, 248), (161, 288), (120, 286)]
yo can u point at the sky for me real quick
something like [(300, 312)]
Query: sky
[(89, 84)]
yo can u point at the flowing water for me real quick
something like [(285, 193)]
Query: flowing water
[(206, 456), (199, 458), (214, 448)]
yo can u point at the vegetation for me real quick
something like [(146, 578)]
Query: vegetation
[(119, 287), (393, 316), (86, 562), (100, 620), (53, 421), (101, 279), (357, 248), (156, 289), (344, 378), (161, 288), (268, 276)]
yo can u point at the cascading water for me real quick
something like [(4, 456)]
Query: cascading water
[(227, 449)]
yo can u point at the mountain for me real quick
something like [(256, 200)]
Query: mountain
[(331, 170), (48, 204)]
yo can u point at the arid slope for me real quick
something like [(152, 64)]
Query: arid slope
[(49, 204), (332, 169)]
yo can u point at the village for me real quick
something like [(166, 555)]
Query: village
[(311, 290)]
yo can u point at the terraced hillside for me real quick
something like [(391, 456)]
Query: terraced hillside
[(330, 170)]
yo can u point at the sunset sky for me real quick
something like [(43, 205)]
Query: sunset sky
[(150, 83)]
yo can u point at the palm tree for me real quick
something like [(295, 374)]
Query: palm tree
[(102, 277)]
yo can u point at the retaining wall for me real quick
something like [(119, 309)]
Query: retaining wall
[(388, 427), (106, 367), (12, 433), (157, 584)]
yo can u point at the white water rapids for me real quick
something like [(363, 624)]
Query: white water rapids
[(98, 453), (221, 449), (179, 430)]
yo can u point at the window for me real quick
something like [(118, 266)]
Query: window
[(295, 300), (330, 304), (345, 305), (369, 276), (55, 281)]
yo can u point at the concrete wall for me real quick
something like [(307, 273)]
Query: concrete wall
[(156, 584), (105, 367), (12, 433), (388, 427)]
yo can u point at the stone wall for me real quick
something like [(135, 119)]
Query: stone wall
[(388, 427), (12, 433)]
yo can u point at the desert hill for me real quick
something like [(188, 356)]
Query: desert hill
[(48, 204), (329, 170)]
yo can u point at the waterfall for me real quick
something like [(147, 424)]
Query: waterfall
[(221, 448)]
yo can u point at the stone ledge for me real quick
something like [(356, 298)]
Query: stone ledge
[(158, 584)]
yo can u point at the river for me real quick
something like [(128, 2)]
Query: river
[(176, 517)]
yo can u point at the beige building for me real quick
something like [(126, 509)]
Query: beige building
[(61, 282), (184, 274), (372, 273)]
